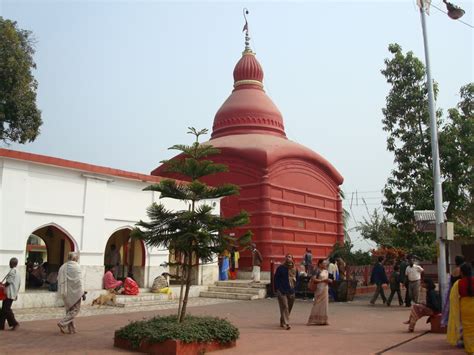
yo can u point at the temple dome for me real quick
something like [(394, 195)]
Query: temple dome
[(248, 109)]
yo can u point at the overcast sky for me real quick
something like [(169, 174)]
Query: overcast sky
[(120, 81)]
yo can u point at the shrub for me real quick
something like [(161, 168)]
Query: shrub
[(193, 329)]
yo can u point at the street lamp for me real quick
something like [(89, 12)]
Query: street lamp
[(454, 12)]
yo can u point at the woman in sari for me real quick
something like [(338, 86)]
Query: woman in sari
[(224, 270), (319, 312), (453, 277), (431, 307), (461, 311)]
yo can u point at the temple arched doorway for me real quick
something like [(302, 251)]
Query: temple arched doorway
[(46, 250), (126, 254)]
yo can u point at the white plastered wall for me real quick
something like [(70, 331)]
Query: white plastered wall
[(87, 207)]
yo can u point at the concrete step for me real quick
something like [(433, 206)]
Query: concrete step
[(243, 290), (242, 283), (234, 296), (141, 297)]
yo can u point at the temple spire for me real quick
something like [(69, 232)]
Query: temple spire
[(246, 30)]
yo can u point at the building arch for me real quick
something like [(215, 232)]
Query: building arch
[(125, 254), (46, 250)]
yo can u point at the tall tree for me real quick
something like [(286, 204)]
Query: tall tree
[(456, 141), (20, 119), (406, 119), (410, 184), (195, 233)]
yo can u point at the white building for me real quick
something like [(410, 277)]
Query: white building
[(73, 206)]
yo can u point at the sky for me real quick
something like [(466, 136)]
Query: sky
[(120, 81)]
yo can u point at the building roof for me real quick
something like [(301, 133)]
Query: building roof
[(70, 164), (426, 216)]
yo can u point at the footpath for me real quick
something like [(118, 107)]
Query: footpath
[(355, 328)]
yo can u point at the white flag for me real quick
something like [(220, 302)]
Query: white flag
[(425, 4)]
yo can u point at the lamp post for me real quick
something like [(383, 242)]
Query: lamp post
[(438, 192)]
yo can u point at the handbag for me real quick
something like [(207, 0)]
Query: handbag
[(312, 285), (3, 290)]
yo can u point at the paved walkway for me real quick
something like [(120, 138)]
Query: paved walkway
[(356, 328)]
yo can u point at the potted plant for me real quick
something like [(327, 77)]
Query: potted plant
[(196, 234)]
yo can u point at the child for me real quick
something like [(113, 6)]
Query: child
[(395, 286)]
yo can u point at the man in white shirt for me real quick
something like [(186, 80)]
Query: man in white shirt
[(413, 273), (12, 283)]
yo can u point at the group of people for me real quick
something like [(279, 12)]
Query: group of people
[(229, 263), (41, 274)]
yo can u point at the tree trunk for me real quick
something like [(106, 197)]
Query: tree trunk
[(188, 286), (180, 303)]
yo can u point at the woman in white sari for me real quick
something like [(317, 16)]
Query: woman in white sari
[(319, 312), (71, 291)]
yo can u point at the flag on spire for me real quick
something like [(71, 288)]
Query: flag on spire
[(424, 5)]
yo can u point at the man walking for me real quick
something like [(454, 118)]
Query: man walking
[(71, 289), (378, 278), (413, 273), (404, 281), (12, 284), (256, 262), (285, 283)]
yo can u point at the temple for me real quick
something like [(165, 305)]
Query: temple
[(291, 192)]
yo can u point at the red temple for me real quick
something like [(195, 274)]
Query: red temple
[(291, 192)]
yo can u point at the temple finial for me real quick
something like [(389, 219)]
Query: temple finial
[(246, 30)]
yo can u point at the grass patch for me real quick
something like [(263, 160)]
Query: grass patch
[(193, 329)]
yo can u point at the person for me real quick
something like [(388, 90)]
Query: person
[(333, 269), (234, 263), (378, 277), (112, 259), (333, 273), (341, 267), (453, 277), (308, 261), (395, 286), (404, 280), (285, 279), (413, 273), (161, 285), (51, 278), (431, 307), (461, 311), (224, 266), (37, 276), (110, 283), (12, 286), (71, 290), (256, 262), (130, 287), (319, 311)]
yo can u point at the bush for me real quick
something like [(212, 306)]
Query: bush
[(193, 329)]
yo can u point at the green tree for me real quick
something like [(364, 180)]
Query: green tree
[(20, 119), (410, 184), (357, 257), (196, 233), (456, 140)]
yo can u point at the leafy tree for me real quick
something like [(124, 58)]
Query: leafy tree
[(406, 119), (410, 184), (456, 142), (350, 257), (20, 119), (195, 233)]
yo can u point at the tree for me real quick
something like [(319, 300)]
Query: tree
[(20, 119), (457, 151), (196, 233), (406, 119), (350, 257)]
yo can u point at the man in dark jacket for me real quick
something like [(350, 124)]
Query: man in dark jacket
[(378, 278), (285, 279)]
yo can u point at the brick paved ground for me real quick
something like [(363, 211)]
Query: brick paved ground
[(356, 328)]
